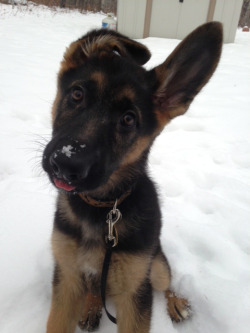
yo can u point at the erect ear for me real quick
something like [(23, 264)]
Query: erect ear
[(186, 71), (104, 42)]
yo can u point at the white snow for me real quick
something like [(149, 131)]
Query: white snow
[(67, 150), (201, 163)]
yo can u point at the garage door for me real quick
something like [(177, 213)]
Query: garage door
[(176, 18)]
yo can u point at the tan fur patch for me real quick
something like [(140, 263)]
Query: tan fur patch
[(73, 258), (65, 209), (160, 274), (65, 251), (99, 42), (126, 92), (127, 272), (65, 312), (136, 150), (100, 79), (66, 306), (163, 118)]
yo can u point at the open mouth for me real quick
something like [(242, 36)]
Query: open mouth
[(63, 185)]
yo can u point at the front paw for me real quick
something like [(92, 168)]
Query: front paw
[(92, 313), (178, 308)]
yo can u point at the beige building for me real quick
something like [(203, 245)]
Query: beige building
[(176, 18)]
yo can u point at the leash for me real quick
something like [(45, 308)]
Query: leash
[(105, 269), (111, 240)]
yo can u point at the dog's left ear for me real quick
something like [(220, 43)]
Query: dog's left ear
[(186, 71), (137, 51)]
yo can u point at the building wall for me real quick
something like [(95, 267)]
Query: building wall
[(131, 17), (228, 12), (175, 19)]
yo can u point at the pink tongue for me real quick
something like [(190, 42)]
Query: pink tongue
[(63, 185)]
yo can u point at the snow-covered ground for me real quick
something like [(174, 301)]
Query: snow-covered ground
[(201, 163)]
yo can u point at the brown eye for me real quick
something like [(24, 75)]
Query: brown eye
[(77, 94), (128, 119)]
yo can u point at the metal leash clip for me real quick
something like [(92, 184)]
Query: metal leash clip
[(112, 218)]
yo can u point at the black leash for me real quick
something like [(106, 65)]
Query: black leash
[(105, 269), (112, 240)]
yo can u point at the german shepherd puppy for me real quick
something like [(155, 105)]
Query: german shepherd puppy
[(107, 112)]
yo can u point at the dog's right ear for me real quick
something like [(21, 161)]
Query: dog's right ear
[(104, 42)]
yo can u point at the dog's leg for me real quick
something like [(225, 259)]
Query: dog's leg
[(178, 308), (92, 313), (131, 290), (68, 286), (67, 302), (160, 274), (134, 310)]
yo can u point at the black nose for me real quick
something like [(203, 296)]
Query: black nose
[(72, 168)]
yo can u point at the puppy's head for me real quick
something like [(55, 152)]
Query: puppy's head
[(109, 109)]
